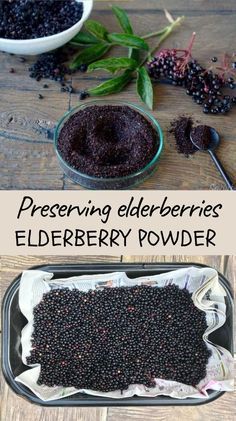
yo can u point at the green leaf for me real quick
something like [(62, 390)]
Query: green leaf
[(113, 65), (112, 86), (97, 29), (89, 55), (144, 87), (126, 40), (123, 19), (125, 24), (84, 38), (134, 54)]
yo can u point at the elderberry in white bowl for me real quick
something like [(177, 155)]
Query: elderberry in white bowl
[(48, 43)]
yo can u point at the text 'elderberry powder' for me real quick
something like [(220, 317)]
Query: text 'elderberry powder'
[(108, 339)]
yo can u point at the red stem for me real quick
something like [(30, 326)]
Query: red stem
[(190, 47), (188, 52)]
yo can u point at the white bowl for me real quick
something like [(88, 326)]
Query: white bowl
[(44, 44)]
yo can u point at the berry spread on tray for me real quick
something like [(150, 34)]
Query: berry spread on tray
[(108, 339), (108, 141), (28, 19)]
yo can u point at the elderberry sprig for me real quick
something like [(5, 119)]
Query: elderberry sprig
[(98, 42), (206, 86)]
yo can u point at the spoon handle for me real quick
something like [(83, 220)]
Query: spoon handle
[(222, 171)]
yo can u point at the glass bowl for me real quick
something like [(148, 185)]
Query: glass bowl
[(114, 183)]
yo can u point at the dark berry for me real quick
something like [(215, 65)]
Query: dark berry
[(71, 89), (83, 95), (189, 92), (184, 71), (50, 66), (29, 19), (214, 59), (83, 67), (110, 338)]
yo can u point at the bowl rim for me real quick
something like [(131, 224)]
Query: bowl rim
[(139, 109), (84, 17)]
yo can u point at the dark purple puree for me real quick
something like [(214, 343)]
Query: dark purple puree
[(108, 141)]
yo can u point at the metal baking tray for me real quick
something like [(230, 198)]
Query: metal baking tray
[(13, 322)]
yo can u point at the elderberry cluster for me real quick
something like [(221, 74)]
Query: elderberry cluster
[(108, 339), (204, 86)]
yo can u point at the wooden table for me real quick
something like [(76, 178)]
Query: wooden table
[(28, 160), (15, 408)]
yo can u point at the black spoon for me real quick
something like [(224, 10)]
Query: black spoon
[(215, 140)]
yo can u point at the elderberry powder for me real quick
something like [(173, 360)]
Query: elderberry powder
[(28, 19), (181, 128), (201, 136), (108, 339), (107, 141)]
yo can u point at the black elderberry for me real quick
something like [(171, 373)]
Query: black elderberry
[(28, 19), (71, 89), (50, 66), (83, 67), (108, 339), (197, 81), (83, 95)]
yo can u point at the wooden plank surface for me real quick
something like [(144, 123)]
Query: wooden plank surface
[(27, 155), (14, 408)]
